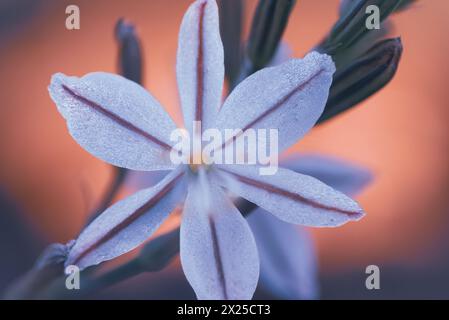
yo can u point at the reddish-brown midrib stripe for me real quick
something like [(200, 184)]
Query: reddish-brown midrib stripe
[(217, 255), (115, 118), (273, 108), (288, 194), (131, 218), (200, 67)]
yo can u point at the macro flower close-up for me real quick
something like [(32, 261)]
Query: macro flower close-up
[(223, 150), (121, 123)]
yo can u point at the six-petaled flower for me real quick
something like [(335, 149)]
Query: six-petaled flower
[(119, 122)]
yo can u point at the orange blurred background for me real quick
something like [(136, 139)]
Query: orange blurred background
[(400, 133)]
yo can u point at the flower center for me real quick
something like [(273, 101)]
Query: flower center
[(197, 161)]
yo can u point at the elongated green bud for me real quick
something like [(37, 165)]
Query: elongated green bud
[(130, 53), (364, 77), (231, 25), (352, 25), (268, 25)]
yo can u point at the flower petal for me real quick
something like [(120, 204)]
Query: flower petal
[(218, 251), (115, 119), (340, 175), (288, 266), (289, 98), (200, 64), (128, 223), (290, 196)]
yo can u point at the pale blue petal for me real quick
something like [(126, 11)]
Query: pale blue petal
[(292, 197), (200, 64), (128, 223), (289, 98), (288, 266), (114, 119), (218, 251), (340, 175)]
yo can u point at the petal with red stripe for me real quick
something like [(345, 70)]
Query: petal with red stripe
[(341, 175), (128, 223), (200, 64), (115, 119), (218, 252), (289, 97), (290, 196)]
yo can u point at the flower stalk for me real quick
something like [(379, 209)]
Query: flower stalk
[(48, 267)]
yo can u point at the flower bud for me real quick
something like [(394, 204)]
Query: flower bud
[(231, 24), (351, 26), (130, 55), (268, 25), (363, 77)]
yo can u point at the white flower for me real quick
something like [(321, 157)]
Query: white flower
[(119, 122)]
